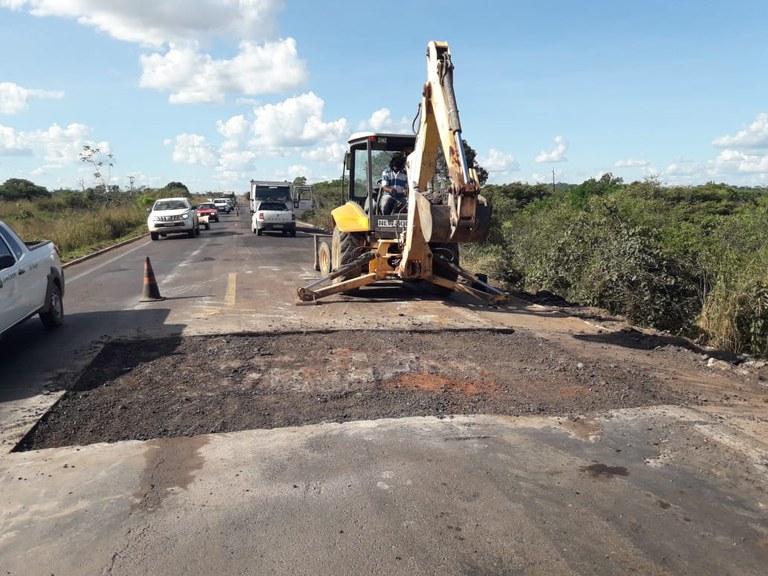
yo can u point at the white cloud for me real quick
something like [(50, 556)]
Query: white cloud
[(630, 163), (234, 155), (332, 154), (59, 146), (734, 161), (296, 122), (13, 143), (753, 136), (382, 121), (682, 168), (499, 162), (296, 170), (263, 63), (156, 22), (557, 154), (236, 128), (193, 149), (14, 98), (63, 145), (236, 161), (275, 131), (193, 77)]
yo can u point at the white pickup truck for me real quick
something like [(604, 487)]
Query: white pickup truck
[(31, 281), (273, 215)]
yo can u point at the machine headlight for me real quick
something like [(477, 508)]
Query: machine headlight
[(185, 215)]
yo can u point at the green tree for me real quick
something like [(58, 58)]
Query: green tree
[(300, 181), (606, 184), (177, 188), (18, 189)]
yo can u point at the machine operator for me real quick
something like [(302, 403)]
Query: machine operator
[(394, 185)]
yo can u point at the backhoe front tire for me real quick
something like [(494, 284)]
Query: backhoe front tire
[(345, 249)]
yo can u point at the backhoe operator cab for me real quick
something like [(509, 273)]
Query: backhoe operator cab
[(369, 155)]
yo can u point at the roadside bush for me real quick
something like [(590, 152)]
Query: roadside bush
[(734, 316), (327, 196), (494, 260), (599, 257)]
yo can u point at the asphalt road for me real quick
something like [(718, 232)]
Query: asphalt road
[(646, 491), (225, 271), (102, 301)]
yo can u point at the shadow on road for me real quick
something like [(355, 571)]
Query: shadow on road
[(33, 359), (632, 338), (219, 233)]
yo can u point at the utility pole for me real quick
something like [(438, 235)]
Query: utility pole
[(553, 180)]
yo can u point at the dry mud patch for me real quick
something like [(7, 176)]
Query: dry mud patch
[(185, 386)]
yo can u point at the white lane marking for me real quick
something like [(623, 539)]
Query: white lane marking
[(170, 278), (230, 296)]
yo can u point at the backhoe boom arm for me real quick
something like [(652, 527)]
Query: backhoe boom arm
[(440, 128)]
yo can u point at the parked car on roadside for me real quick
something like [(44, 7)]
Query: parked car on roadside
[(173, 216), (31, 281)]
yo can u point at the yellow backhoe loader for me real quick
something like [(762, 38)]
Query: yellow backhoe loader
[(419, 242)]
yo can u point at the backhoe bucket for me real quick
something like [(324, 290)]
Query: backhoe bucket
[(436, 223)]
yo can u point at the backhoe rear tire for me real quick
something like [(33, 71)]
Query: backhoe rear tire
[(345, 249), (324, 258)]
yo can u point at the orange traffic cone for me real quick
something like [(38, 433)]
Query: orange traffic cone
[(151, 291)]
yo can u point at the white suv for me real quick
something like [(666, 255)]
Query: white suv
[(172, 216), (223, 205)]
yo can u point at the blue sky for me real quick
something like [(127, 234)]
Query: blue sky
[(213, 93)]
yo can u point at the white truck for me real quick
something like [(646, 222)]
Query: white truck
[(31, 281), (271, 215), (297, 197)]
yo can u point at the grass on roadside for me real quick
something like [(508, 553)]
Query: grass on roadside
[(75, 232)]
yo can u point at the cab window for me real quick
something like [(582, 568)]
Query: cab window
[(12, 243)]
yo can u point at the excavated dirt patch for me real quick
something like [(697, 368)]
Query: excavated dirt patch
[(147, 389)]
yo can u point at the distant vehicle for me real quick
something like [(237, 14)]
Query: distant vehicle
[(31, 281), (271, 215), (208, 210), (231, 196), (223, 205), (172, 216), (297, 197)]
